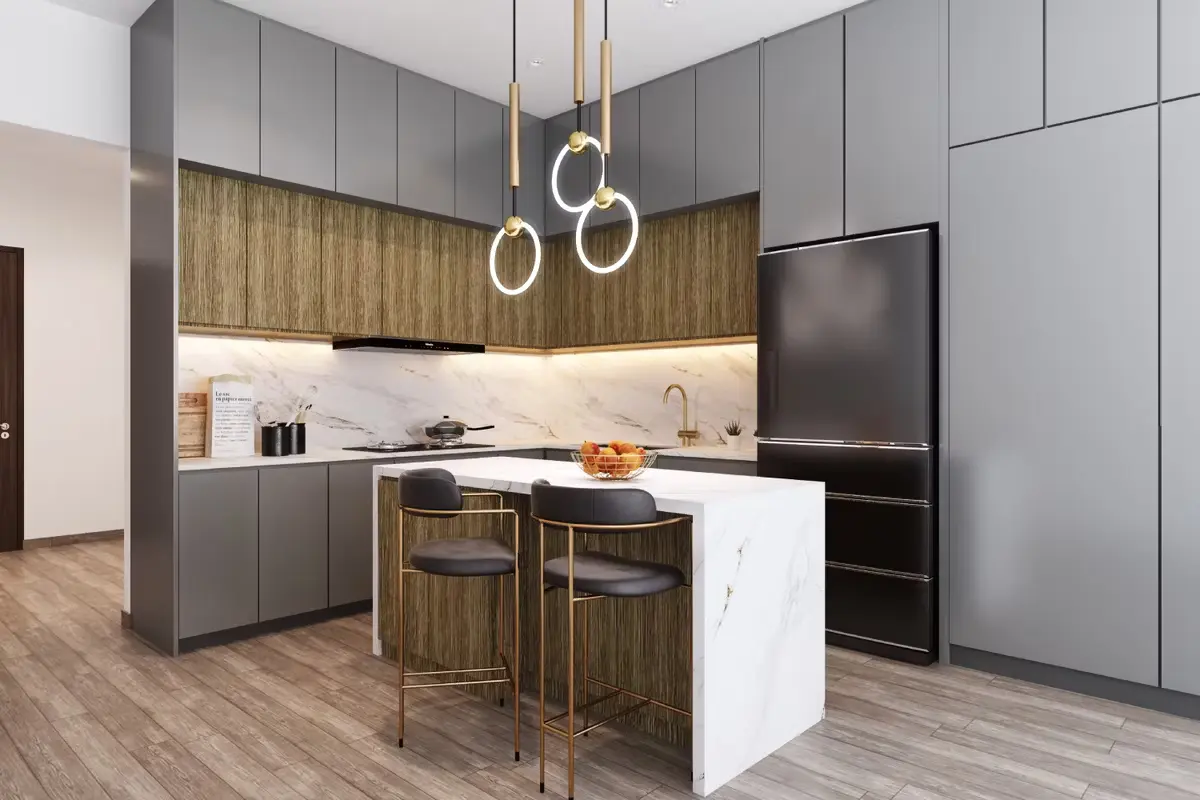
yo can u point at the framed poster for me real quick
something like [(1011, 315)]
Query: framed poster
[(230, 417)]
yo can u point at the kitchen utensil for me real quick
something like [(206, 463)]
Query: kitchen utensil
[(613, 468), (450, 431)]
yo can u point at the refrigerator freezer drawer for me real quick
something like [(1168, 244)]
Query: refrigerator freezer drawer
[(880, 608), (888, 536), (885, 472)]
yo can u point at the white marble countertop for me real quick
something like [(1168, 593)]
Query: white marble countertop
[(329, 455)]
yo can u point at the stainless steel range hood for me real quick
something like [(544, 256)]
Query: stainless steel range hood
[(391, 344)]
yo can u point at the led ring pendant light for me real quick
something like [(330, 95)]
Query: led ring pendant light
[(514, 226)]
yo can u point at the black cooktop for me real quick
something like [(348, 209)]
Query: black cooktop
[(388, 447)]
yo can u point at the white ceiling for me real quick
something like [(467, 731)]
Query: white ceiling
[(468, 43)]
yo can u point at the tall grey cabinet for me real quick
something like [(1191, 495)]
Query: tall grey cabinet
[(1053, 375), (802, 153), (1180, 390), (478, 150), (892, 138), (727, 125), (1180, 55), (424, 144), (217, 93), (366, 127), (668, 143), (625, 174), (298, 107)]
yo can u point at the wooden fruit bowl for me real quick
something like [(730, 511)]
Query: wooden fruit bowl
[(611, 468)]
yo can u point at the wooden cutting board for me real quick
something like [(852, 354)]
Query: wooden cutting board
[(193, 415)]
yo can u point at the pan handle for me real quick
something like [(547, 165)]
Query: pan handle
[(480, 428)]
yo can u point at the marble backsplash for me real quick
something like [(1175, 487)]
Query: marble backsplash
[(363, 397)]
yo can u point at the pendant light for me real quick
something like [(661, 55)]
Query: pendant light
[(514, 226)]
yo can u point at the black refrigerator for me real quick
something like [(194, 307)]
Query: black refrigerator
[(847, 394)]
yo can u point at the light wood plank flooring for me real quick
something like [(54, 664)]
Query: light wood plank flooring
[(86, 711)]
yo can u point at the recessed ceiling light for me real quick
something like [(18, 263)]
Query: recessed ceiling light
[(670, 3), (536, 62)]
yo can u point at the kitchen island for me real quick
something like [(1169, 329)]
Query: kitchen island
[(755, 678)]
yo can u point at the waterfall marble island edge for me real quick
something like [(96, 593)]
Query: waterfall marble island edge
[(758, 599)]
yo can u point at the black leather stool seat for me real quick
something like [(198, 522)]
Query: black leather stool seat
[(613, 576), (463, 557)]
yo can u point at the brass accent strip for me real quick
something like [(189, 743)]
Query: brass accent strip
[(649, 700), (408, 686), (253, 333), (606, 96), (589, 704), (882, 573), (454, 671), (579, 45), (882, 501), (514, 134), (570, 526), (270, 335), (595, 725)]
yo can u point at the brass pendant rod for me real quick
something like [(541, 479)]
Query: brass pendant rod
[(514, 134), (579, 51), (606, 96)]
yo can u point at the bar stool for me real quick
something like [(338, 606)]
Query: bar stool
[(433, 492), (588, 576)]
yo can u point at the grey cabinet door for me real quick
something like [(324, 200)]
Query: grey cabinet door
[(668, 134), (575, 183), (891, 115), (1101, 56), (293, 540), (727, 129), (624, 165), (802, 169), (478, 152), (995, 68), (366, 127), (1180, 388), (298, 107), (1180, 55), (591, 119), (531, 195), (218, 550), (350, 556), (720, 466), (424, 144), (217, 51), (1053, 367)]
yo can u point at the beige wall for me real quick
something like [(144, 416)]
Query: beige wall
[(65, 202)]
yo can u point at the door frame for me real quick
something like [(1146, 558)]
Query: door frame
[(14, 538)]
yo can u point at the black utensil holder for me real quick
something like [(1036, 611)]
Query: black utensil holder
[(295, 438), (276, 441)]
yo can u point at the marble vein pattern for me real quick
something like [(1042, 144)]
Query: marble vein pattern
[(758, 594), (362, 397)]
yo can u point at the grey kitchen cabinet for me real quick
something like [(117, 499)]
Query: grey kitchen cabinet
[(727, 125), (1180, 388), (722, 466), (478, 151), (366, 127), (554, 454), (668, 143), (424, 144), (531, 194), (1180, 56), (892, 107), (218, 550), (218, 83), (996, 58), (299, 128), (1053, 367), (350, 554), (293, 540), (591, 118), (575, 179), (1101, 56), (624, 164), (802, 147)]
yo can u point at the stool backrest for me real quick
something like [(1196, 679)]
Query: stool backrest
[(582, 508), (430, 489)]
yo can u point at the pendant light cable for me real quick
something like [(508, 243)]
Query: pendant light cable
[(514, 80)]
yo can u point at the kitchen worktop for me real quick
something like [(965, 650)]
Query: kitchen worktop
[(329, 455)]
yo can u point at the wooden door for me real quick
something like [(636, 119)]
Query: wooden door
[(520, 320), (412, 267), (283, 284), (350, 246), (12, 380), (212, 250)]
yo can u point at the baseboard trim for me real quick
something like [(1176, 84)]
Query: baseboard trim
[(1120, 691), (126, 620), (74, 538), (271, 626)]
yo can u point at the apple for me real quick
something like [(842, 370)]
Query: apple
[(607, 459), (629, 463), (626, 447), (589, 451)]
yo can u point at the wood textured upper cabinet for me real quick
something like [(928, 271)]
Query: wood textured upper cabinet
[(1101, 56), (520, 320), (293, 540), (1180, 55), (283, 286), (425, 144), (465, 283), (575, 179), (217, 95), (892, 107), (366, 127), (668, 143), (995, 68), (802, 187), (298, 107), (350, 249), (531, 194), (212, 250), (727, 125), (478, 151)]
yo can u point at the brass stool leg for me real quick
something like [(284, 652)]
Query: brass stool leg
[(500, 623), (542, 656), (400, 623), (587, 687), (570, 663), (516, 662)]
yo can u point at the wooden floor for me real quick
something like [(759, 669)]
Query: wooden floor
[(87, 711)]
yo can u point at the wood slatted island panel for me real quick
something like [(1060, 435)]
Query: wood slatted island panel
[(755, 615)]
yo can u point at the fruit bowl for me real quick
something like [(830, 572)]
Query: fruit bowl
[(614, 467)]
